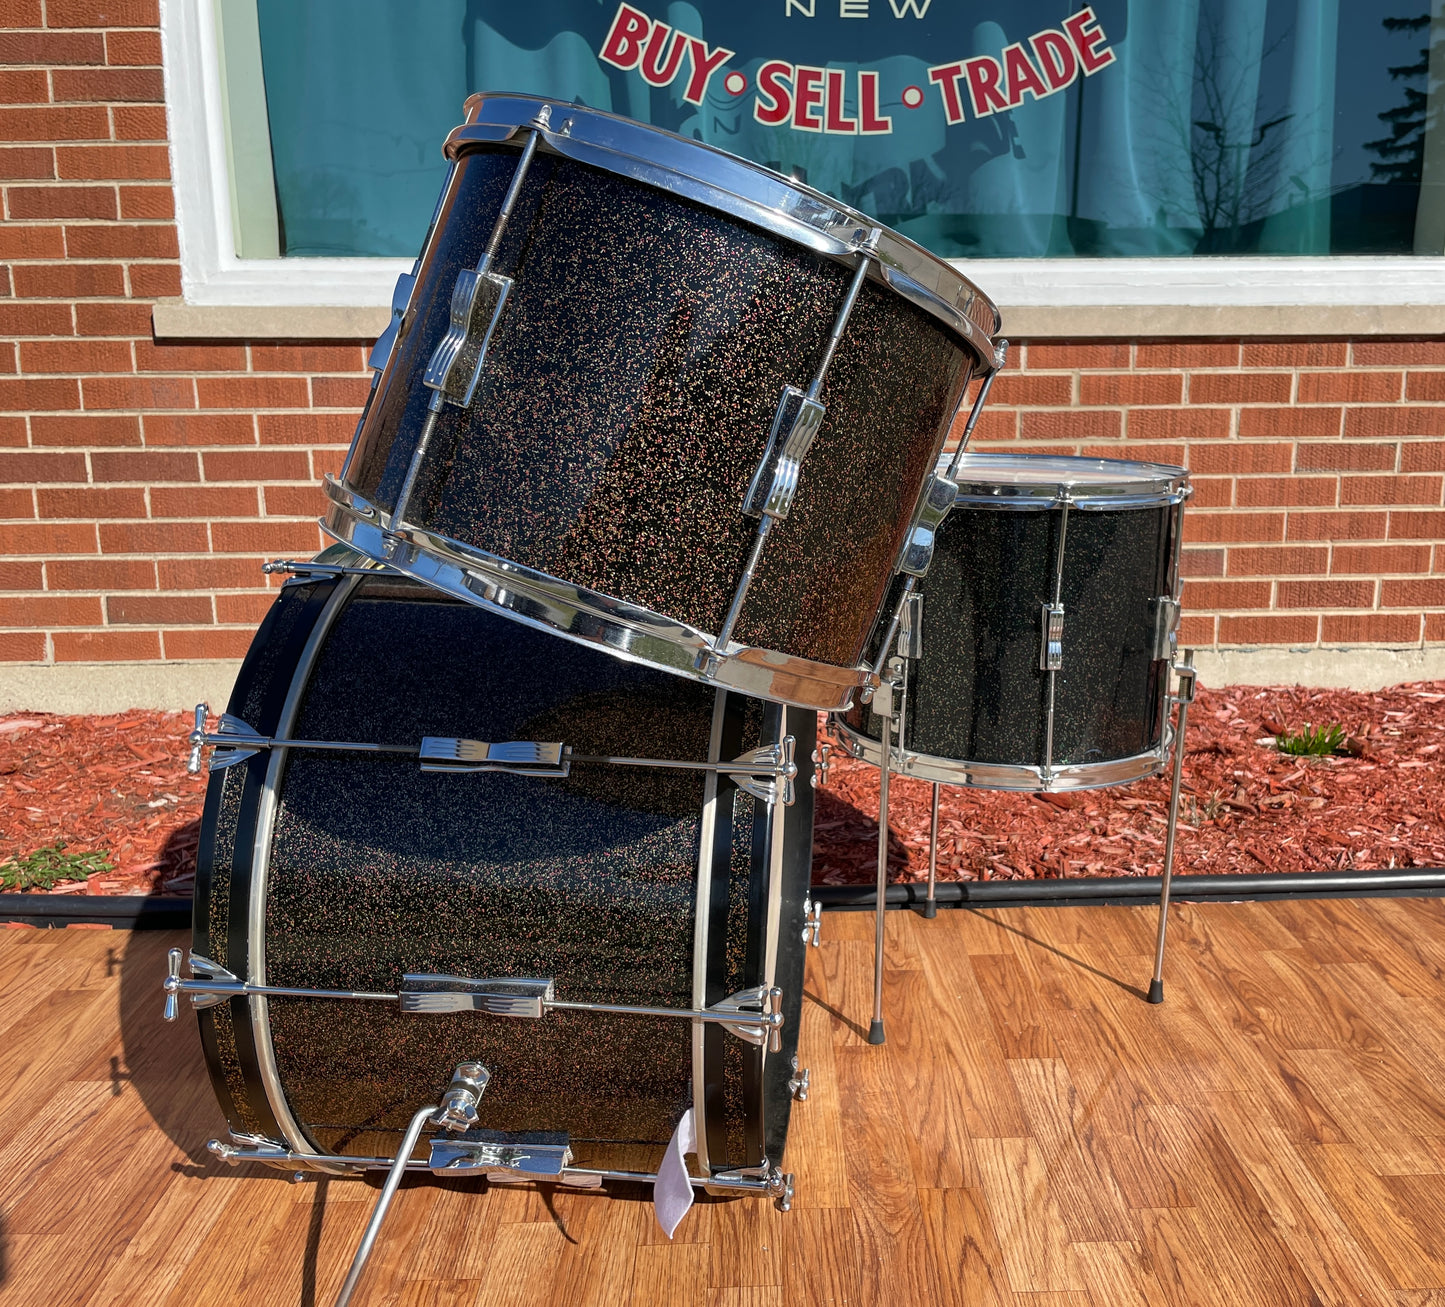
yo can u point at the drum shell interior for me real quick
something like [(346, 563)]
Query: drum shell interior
[(627, 398)]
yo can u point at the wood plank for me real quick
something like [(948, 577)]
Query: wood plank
[(820, 1258), (1026, 1216)]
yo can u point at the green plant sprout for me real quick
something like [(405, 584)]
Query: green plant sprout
[(48, 867)]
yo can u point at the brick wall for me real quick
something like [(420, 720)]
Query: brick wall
[(143, 482)]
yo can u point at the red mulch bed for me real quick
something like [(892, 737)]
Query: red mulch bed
[(118, 785)]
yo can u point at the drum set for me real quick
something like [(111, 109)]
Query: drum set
[(505, 856)]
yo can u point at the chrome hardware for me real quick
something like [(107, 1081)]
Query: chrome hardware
[(754, 1015), (458, 1110), (213, 984), (386, 342), (778, 759), (1184, 670), (1166, 627), (455, 366), (933, 506), (498, 997), (517, 757), (197, 738), (1000, 357), (501, 1161), (780, 1187), (822, 759), (775, 1013), (1183, 697), (885, 646), (294, 567), (887, 698), (1051, 647), (812, 922), (910, 628), (798, 1085), (172, 984), (794, 425)]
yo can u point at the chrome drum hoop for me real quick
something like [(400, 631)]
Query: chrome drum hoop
[(1018, 777), (584, 616), (1085, 484)]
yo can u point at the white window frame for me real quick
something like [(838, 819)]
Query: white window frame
[(211, 274)]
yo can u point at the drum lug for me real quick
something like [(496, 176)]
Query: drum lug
[(205, 973), (910, 627), (516, 757), (764, 999), (1051, 648), (1166, 627), (933, 506), (400, 297), (812, 922), (455, 366), (505, 997), (502, 1162), (795, 423)]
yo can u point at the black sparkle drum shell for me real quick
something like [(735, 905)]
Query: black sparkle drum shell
[(347, 871), (626, 400), (977, 701)]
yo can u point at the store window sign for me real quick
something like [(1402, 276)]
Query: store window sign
[(818, 99)]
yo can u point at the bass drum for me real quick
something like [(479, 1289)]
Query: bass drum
[(361, 872)]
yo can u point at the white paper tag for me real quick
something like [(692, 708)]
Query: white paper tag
[(672, 1193)]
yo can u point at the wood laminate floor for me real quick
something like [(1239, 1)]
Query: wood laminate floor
[(1033, 1133)]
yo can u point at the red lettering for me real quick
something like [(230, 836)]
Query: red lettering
[(661, 60), (1087, 42), (874, 123), (807, 95), (836, 122), (1021, 76), (773, 86), (623, 46), (1056, 57), (946, 76), (705, 62), (983, 76)]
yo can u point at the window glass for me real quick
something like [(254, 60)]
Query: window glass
[(981, 128)]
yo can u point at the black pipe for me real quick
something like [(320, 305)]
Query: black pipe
[(123, 911)]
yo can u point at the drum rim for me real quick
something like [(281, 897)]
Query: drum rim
[(722, 181), (1019, 777), (550, 604), (1120, 482)]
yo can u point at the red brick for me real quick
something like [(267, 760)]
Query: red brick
[(80, 431), (61, 202), (308, 428), (112, 319), (139, 122), (1213, 492), (1201, 562), (253, 465), (1390, 490), (1326, 594), (1178, 423), (68, 280), (21, 576), (206, 501), (15, 504), (50, 610), (1240, 457), (92, 502), (1374, 560), (102, 13), (113, 162), (1168, 454), (68, 357), (1370, 628), (123, 241), (54, 123), (150, 357), (1435, 627), (46, 538), (147, 465), (1336, 526), (35, 319), (106, 646), (155, 281), (21, 646), (1196, 632), (113, 85), (1296, 354), (1266, 492), (1073, 354), (1070, 424), (247, 608), (12, 432), (196, 429), (51, 48), (264, 537), (157, 610), (133, 48), (1290, 421), (993, 424), (21, 13), (1422, 456), (26, 162), (1398, 353), (1413, 594), (22, 395), (327, 462), (1013, 388), (1268, 630), (1417, 526), (25, 467), (102, 574), (209, 643), (1187, 354), (1233, 528), (211, 573), (352, 358), (1278, 560), (153, 537), (1239, 387), (31, 242), (1333, 455), (1199, 595), (139, 392), (140, 202), (24, 86), (1349, 387), (1414, 420), (295, 501), (1131, 388), (339, 392)]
